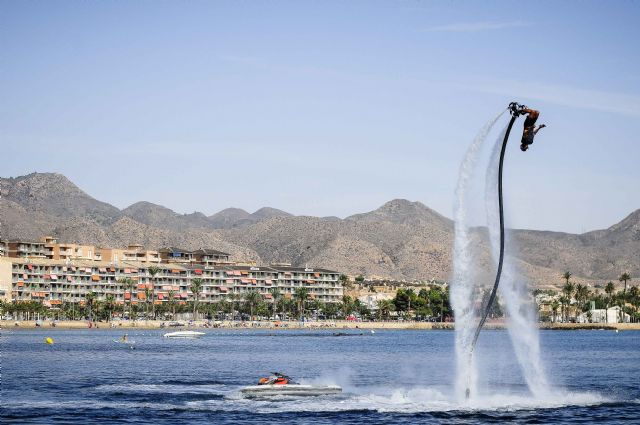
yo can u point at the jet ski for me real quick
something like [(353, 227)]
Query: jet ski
[(279, 384)]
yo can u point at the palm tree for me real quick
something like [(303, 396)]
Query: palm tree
[(582, 295), (634, 292), (277, 296), (609, 289), (196, 289), (252, 298), (301, 295), (128, 285), (345, 282), (110, 303), (384, 308), (234, 298), (623, 278), (153, 271), (172, 302), (148, 294), (554, 308), (90, 299), (568, 289)]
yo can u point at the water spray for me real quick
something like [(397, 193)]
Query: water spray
[(515, 110)]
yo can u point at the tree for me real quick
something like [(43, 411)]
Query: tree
[(90, 300), (345, 282), (567, 290), (609, 289), (384, 308), (554, 308), (148, 295), (252, 298), (359, 279), (153, 271), (581, 295), (634, 295), (276, 296), (623, 278), (347, 305), (301, 295), (172, 302), (196, 289), (128, 285), (109, 305)]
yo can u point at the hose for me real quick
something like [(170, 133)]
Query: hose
[(494, 291)]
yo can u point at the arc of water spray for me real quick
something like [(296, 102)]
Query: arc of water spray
[(515, 110), (461, 291), (521, 313)]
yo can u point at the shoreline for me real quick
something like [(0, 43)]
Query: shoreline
[(324, 325)]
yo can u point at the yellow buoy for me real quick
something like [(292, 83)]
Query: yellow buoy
[(48, 340)]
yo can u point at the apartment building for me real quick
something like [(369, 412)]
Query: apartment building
[(68, 251), (131, 253), (26, 249), (173, 255), (54, 282)]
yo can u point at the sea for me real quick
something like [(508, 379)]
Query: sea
[(387, 376)]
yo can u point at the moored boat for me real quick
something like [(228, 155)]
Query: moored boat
[(184, 334)]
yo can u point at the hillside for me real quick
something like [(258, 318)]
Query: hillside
[(399, 240)]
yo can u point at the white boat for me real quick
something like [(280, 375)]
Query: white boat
[(296, 390), (184, 334)]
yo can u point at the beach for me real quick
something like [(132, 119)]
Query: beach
[(327, 324)]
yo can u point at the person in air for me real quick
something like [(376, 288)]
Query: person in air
[(530, 129)]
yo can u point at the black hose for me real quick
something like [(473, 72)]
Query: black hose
[(500, 206)]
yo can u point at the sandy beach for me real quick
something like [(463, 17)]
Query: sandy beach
[(338, 324)]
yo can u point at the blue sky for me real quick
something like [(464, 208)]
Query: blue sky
[(323, 108)]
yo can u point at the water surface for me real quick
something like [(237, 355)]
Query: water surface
[(388, 377)]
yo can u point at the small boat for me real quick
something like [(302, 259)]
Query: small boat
[(184, 334), (281, 385)]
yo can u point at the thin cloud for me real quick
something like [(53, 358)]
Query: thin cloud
[(618, 103), (478, 26)]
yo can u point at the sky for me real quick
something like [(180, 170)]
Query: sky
[(324, 108)]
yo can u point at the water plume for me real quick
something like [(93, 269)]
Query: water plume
[(514, 289), (462, 288)]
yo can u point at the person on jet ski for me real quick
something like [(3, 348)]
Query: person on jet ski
[(530, 129), (275, 379)]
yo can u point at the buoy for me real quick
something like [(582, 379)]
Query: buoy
[(372, 331), (48, 340)]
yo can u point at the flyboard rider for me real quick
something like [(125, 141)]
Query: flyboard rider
[(530, 129)]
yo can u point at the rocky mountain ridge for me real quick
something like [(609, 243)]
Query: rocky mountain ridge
[(400, 240)]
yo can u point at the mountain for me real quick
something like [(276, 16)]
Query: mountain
[(401, 211), (54, 195), (400, 240), (236, 218), (159, 216), (229, 218)]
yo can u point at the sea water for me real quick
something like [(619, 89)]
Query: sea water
[(388, 377)]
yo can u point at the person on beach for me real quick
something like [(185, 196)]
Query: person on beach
[(530, 129)]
